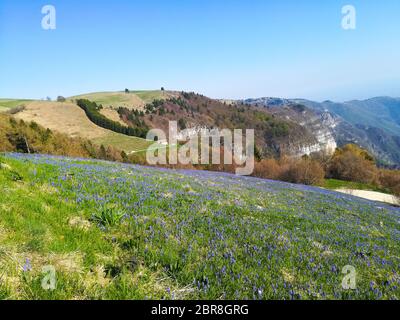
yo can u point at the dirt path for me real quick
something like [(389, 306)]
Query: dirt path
[(372, 195)]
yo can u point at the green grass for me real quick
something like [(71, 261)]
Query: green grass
[(6, 104), (149, 96), (113, 99), (129, 100), (334, 184), (122, 142), (37, 228), (116, 231)]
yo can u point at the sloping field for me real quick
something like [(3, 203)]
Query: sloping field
[(115, 231), (63, 117), (132, 100), (150, 95), (68, 118), (114, 99), (112, 114), (123, 142)]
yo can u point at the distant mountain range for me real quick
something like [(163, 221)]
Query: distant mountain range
[(373, 124), (380, 112)]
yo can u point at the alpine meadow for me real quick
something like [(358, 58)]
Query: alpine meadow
[(200, 158)]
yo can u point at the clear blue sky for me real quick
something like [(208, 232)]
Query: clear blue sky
[(223, 49)]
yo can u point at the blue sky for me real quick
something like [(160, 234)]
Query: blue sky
[(223, 49)]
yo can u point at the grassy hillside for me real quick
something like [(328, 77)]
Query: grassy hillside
[(149, 96), (129, 232), (123, 142), (334, 184), (131, 100), (30, 137), (113, 99), (68, 118)]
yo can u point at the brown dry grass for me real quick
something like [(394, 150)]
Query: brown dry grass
[(112, 114), (69, 119), (63, 117)]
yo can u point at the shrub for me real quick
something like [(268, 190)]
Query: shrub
[(257, 153), (299, 107), (390, 179), (352, 163), (16, 110), (304, 171), (108, 217), (182, 124), (268, 169)]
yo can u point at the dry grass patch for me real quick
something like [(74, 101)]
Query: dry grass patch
[(112, 114), (288, 276), (80, 223), (70, 119), (63, 117)]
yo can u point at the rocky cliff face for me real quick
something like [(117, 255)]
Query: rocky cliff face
[(310, 131), (315, 137), (292, 132), (372, 124), (320, 125)]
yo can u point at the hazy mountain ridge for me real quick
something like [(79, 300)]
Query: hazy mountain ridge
[(379, 112), (373, 123)]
